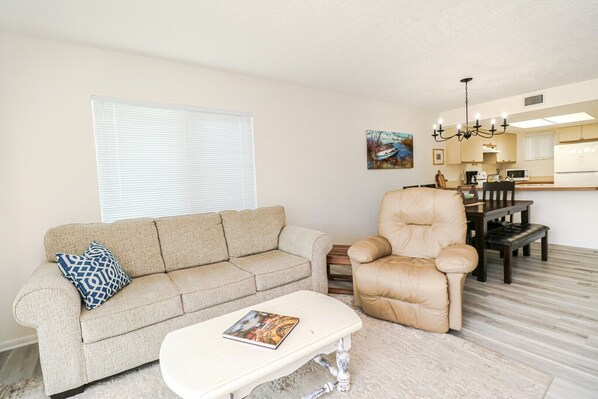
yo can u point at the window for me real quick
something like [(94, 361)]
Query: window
[(539, 146), (161, 160)]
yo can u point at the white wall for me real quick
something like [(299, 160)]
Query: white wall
[(571, 216), (309, 145)]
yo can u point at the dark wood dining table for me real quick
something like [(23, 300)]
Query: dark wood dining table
[(480, 213)]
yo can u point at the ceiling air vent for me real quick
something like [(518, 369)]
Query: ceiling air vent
[(533, 100)]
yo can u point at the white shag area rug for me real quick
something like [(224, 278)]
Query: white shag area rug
[(388, 360)]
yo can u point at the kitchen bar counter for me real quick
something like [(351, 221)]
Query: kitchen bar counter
[(570, 212), (536, 186), (551, 187)]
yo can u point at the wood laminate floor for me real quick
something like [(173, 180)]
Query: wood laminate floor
[(547, 318)]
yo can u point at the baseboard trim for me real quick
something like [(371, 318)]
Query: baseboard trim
[(18, 342), (586, 245)]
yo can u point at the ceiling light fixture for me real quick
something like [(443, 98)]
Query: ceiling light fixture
[(532, 123), (553, 120), (568, 118), (466, 134)]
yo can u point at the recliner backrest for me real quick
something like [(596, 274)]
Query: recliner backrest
[(419, 222)]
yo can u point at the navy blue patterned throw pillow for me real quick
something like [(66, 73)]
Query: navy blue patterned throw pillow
[(96, 274)]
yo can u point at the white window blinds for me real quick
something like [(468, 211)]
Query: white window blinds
[(156, 160), (539, 146)]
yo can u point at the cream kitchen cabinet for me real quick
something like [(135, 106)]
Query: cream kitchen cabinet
[(578, 133), (506, 143), (453, 149), (589, 132), (471, 150)]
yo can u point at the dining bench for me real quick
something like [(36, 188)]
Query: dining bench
[(511, 237)]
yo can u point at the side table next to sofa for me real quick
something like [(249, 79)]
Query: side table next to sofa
[(338, 256)]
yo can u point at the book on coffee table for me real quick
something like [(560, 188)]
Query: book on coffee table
[(262, 328)]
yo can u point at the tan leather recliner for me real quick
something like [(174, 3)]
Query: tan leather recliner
[(414, 270)]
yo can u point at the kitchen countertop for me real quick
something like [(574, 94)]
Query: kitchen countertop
[(551, 187), (537, 186)]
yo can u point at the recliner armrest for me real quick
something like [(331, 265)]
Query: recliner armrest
[(458, 258), (369, 249)]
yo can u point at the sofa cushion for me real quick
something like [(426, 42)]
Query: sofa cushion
[(191, 240), (133, 242), (252, 231), (274, 268), (209, 285), (147, 300), (96, 274)]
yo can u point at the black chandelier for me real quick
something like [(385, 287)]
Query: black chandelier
[(466, 134)]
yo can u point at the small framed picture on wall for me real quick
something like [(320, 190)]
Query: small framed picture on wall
[(438, 156)]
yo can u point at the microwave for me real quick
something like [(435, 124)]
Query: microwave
[(518, 174)]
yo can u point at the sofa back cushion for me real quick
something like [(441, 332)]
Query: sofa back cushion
[(133, 242), (252, 231), (191, 240), (419, 222)]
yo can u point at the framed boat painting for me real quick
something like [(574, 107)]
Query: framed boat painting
[(389, 150)]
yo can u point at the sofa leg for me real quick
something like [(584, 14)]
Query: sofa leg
[(69, 393), (507, 264), (545, 247)]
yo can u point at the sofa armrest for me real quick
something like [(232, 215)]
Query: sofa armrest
[(459, 258), (369, 249), (311, 244), (51, 304)]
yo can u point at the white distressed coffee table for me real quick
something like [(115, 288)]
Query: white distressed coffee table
[(197, 362)]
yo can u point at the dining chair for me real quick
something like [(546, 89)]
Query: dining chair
[(502, 192), (508, 237)]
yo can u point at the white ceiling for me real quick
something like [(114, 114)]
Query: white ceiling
[(406, 52)]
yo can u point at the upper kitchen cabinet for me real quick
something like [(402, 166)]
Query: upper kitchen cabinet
[(453, 149), (578, 133), (472, 150), (589, 132), (506, 143)]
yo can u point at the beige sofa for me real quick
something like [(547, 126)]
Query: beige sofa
[(184, 270)]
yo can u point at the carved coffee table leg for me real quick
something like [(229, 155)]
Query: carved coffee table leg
[(342, 362)]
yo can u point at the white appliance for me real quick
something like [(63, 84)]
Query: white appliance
[(488, 148), (481, 177), (518, 174), (576, 164)]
